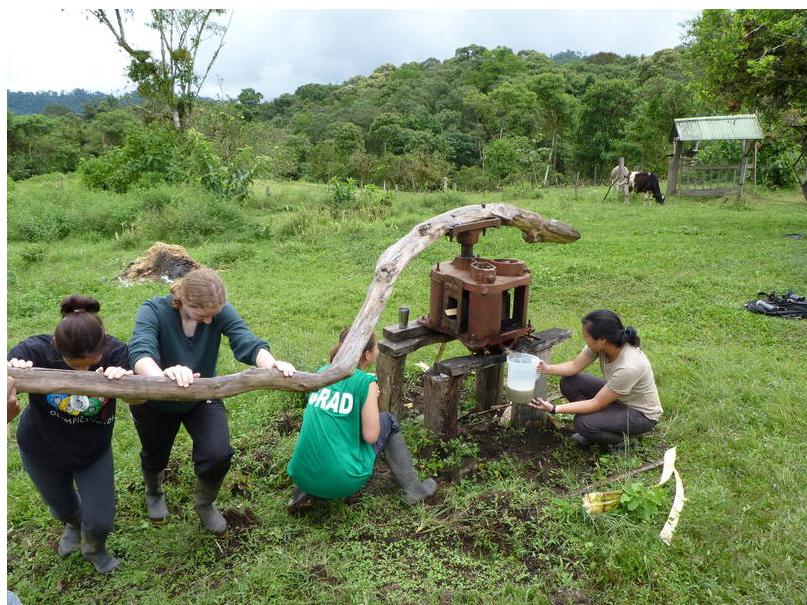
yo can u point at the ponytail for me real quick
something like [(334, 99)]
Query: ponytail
[(631, 336), (81, 332)]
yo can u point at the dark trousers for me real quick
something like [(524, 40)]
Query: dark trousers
[(612, 424), (207, 426), (93, 504)]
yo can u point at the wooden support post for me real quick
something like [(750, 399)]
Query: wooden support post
[(489, 384), (441, 397), (391, 381), (743, 167), (675, 163)]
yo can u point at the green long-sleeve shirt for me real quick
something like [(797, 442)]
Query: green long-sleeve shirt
[(158, 334)]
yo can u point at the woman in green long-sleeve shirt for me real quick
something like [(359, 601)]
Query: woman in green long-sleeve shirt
[(178, 336)]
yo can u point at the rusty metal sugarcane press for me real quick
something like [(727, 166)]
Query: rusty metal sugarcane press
[(481, 302)]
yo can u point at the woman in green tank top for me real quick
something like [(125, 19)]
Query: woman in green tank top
[(342, 433)]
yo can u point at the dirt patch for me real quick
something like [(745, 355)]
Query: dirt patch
[(239, 519), (287, 423), (161, 262), (321, 573)]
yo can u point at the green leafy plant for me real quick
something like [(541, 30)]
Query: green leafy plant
[(642, 501), (343, 193)]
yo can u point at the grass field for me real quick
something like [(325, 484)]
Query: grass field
[(732, 384)]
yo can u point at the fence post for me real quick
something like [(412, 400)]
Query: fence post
[(672, 173), (743, 166)]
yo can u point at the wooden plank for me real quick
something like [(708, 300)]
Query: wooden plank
[(702, 167), (391, 382), (441, 397), (541, 341), (484, 224), (707, 192), (459, 366), (396, 349), (413, 329)]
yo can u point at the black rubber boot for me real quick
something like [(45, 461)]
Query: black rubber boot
[(400, 463), (300, 500), (155, 498), (206, 492), (93, 549), (71, 538), (580, 440)]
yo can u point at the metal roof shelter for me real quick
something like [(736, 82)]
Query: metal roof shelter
[(719, 128), (712, 180)]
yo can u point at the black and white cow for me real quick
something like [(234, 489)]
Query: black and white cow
[(645, 182), (640, 182)]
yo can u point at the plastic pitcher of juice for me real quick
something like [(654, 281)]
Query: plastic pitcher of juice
[(522, 371)]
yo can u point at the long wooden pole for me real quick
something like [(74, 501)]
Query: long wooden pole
[(534, 229)]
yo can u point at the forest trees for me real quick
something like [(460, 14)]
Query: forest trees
[(755, 60), (478, 120)]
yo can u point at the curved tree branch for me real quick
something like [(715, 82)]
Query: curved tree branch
[(390, 264)]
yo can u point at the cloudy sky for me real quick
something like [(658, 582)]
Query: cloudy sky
[(275, 51)]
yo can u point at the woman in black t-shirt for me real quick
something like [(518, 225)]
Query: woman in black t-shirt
[(67, 438)]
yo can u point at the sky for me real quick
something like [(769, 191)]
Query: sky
[(275, 51)]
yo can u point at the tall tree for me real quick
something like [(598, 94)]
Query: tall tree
[(755, 59), (607, 109), (170, 80)]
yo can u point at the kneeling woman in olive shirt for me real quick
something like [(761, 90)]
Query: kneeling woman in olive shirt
[(606, 411)]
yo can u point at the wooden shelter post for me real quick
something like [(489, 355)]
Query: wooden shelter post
[(743, 167), (675, 163)]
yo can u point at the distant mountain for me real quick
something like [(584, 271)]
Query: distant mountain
[(35, 102)]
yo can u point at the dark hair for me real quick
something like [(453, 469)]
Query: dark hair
[(81, 332), (343, 334), (606, 324)]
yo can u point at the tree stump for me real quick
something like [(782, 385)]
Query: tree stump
[(489, 387), (391, 378), (441, 396)]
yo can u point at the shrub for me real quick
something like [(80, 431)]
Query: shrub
[(473, 178), (154, 155), (342, 193)]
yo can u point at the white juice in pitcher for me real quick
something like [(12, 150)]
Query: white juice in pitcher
[(520, 396)]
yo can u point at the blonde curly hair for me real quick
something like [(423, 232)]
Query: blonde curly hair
[(199, 288)]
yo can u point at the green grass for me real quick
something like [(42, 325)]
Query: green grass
[(731, 382)]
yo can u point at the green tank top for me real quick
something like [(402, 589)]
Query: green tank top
[(330, 459)]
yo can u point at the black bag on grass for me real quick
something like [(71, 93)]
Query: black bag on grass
[(785, 305)]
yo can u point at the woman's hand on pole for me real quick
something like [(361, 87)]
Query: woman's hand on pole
[(284, 367), (19, 363), (114, 372), (182, 375)]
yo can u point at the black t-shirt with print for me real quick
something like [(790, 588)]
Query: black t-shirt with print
[(62, 430)]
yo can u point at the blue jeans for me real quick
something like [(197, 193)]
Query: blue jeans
[(389, 425)]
